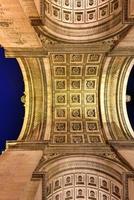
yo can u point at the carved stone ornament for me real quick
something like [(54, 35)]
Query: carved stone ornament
[(46, 40), (111, 42)]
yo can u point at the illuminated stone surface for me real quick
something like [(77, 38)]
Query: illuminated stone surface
[(75, 76)]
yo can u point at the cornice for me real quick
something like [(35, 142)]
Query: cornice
[(25, 52), (126, 51), (122, 144), (53, 151), (26, 145)]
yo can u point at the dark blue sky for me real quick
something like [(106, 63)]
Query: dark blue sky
[(130, 91), (11, 108)]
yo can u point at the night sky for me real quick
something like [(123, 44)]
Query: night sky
[(130, 91), (11, 108)]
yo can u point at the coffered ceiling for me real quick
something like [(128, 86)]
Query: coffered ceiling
[(75, 116), (82, 20)]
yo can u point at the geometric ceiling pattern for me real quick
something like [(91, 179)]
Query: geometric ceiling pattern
[(81, 11), (82, 185), (75, 98), (81, 20)]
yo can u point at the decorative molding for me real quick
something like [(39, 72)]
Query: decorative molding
[(122, 52), (26, 145), (51, 43), (36, 21), (46, 40), (112, 98), (51, 154), (122, 144), (25, 52), (126, 177), (40, 176), (128, 17)]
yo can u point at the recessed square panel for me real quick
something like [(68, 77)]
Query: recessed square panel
[(59, 58), (104, 11), (75, 98), (76, 58), (78, 17), (61, 113), (60, 84), (69, 194), (77, 138), (80, 193), (91, 15), (78, 4), (60, 98), (67, 4), (92, 194), (104, 184), (91, 70), (80, 179), (75, 84), (90, 113), (94, 139), (67, 16), (59, 71), (92, 180), (76, 71), (56, 12), (91, 3), (116, 190), (90, 84), (76, 126), (60, 139), (57, 183), (75, 113), (68, 180), (114, 5), (96, 58), (90, 98), (103, 196), (60, 126), (91, 126), (58, 195)]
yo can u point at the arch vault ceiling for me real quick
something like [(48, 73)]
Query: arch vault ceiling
[(74, 98), (82, 20), (65, 96)]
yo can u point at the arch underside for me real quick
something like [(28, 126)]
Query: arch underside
[(75, 70), (72, 98)]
